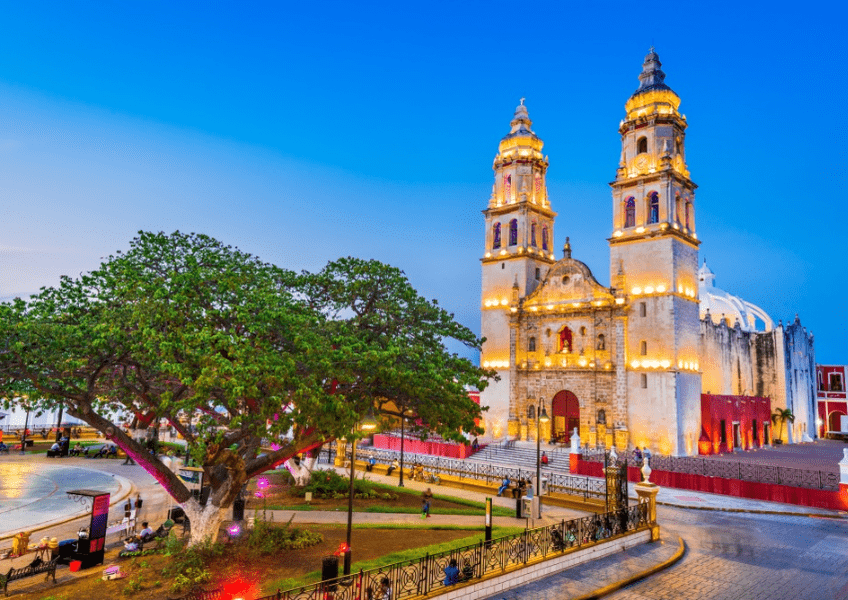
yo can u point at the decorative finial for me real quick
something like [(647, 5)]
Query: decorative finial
[(566, 249), (522, 101)]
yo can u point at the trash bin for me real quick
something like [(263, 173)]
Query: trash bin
[(238, 509), (330, 570), (519, 507)]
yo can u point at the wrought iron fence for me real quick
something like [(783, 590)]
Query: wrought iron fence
[(416, 578), (691, 465), (587, 487)]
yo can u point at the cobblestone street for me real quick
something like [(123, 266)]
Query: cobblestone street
[(730, 556)]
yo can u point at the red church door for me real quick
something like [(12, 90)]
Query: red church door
[(565, 409)]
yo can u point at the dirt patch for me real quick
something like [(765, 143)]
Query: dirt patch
[(279, 492), (239, 574)]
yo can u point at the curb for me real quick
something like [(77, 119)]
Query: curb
[(754, 511), (614, 587), (115, 500)]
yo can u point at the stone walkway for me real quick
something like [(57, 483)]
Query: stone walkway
[(588, 579)]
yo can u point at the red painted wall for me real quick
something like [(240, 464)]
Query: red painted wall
[(730, 487), (744, 410)]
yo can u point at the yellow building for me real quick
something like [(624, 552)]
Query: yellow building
[(623, 363)]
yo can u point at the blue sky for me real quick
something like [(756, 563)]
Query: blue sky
[(302, 132)]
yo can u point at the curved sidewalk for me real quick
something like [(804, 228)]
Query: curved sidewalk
[(705, 501)]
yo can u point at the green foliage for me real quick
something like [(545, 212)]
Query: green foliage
[(188, 567), (191, 577), (267, 538), (329, 484), (183, 327), (783, 416), (133, 586)]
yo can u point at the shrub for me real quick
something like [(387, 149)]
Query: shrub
[(329, 484), (267, 538)]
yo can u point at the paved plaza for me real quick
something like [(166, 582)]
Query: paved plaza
[(33, 493), (729, 555)]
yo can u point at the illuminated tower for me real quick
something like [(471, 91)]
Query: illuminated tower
[(654, 251), (518, 251)]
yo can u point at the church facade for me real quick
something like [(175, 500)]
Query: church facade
[(627, 363)]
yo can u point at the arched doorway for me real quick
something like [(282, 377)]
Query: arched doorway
[(565, 409), (834, 423)]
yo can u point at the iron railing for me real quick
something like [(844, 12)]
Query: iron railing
[(822, 480), (417, 578), (587, 487)]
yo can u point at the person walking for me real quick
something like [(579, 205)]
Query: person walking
[(128, 509), (426, 498), (138, 504)]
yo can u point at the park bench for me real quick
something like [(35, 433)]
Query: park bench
[(29, 571)]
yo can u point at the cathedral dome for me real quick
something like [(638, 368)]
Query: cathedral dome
[(720, 305)]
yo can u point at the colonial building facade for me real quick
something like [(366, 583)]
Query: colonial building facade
[(625, 364)]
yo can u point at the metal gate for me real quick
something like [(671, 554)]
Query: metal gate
[(616, 477)]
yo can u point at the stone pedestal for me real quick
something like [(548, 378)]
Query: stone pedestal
[(647, 493), (576, 453)]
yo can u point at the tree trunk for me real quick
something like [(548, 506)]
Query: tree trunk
[(205, 521)]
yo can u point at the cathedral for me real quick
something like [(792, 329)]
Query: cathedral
[(638, 362)]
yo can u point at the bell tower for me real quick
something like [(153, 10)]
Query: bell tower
[(518, 250), (654, 249)]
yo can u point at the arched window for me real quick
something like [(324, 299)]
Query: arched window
[(602, 417), (531, 345), (677, 208), (643, 348), (654, 208), (544, 237), (630, 212), (513, 232), (507, 189), (642, 145), (582, 331), (565, 336), (533, 234), (496, 235), (531, 412), (602, 342), (688, 204)]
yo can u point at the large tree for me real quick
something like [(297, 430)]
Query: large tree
[(186, 329)]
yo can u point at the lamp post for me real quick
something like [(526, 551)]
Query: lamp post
[(367, 424), (541, 417), (24, 434), (403, 416)]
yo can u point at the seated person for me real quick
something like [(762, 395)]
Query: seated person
[(451, 573), (518, 490), (544, 458), (504, 485), (3, 447), (371, 463), (395, 465), (113, 451), (131, 544), (77, 450), (146, 533), (102, 452), (417, 472), (55, 447)]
